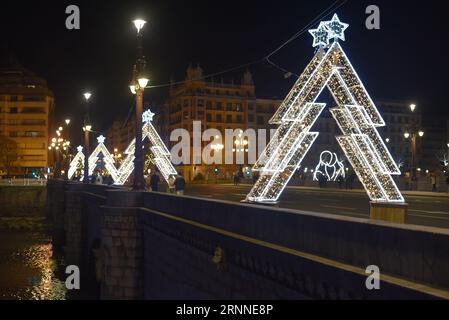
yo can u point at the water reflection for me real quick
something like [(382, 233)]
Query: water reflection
[(28, 267)]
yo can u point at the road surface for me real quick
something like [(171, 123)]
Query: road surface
[(428, 210)]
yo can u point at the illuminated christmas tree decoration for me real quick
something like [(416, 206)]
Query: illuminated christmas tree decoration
[(336, 28), (108, 159), (73, 165), (320, 35), (356, 115), (160, 152), (329, 167)]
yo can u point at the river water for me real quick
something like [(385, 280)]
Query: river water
[(29, 268)]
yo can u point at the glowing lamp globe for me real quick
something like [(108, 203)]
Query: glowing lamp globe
[(139, 23), (143, 82), (87, 96)]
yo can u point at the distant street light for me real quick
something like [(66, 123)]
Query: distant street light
[(67, 121), (413, 107)]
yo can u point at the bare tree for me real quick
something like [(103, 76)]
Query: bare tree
[(8, 154)]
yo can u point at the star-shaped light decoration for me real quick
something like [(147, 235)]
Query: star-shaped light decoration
[(101, 139), (336, 28), (79, 148), (147, 116), (320, 35)]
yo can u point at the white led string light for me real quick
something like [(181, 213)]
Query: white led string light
[(356, 115), (332, 164)]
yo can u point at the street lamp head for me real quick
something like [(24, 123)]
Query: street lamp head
[(132, 87), (87, 95), (60, 128), (139, 23), (387, 140), (143, 81), (413, 107), (67, 121), (406, 135), (87, 127), (421, 133)]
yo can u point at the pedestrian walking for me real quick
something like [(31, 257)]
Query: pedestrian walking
[(433, 181), (179, 185), (154, 182)]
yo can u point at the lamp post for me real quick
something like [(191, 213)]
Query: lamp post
[(412, 133), (241, 146), (87, 127), (137, 87)]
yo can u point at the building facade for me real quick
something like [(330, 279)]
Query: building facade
[(26, 113), (220, 106)]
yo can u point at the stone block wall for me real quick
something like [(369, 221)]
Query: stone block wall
[(122, 245)]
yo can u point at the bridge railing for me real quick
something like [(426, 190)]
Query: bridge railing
[(160, 246)]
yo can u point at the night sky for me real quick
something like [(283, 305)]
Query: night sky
[(402, 61)]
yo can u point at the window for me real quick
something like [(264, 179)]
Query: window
[(239, 118), (238, 107), (208, 117), (34, 122), (33, 110), (250, 118), (13, 110), (186, 103), (200, 103), (14, 98), (260, 120), (33, 98), (229, 107), (218, 118), (34, 134), (219, 106), (229, 118), (201, 114), (208, 104), (13, 134), (250, 106)]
